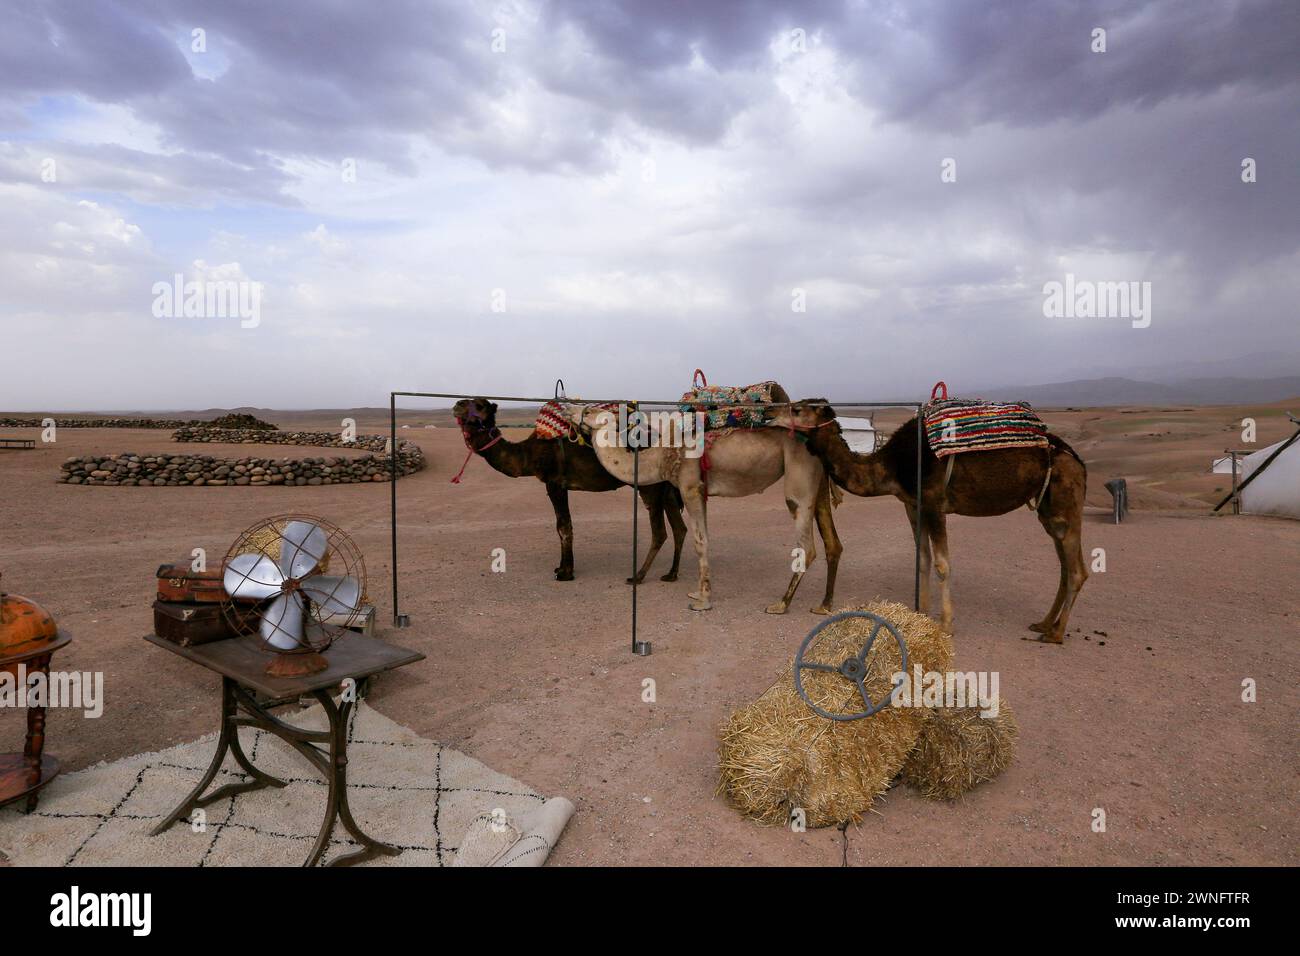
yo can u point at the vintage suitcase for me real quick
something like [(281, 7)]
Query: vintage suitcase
[(190, 623), (177, 582)]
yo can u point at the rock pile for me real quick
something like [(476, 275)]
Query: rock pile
[(240, 420)]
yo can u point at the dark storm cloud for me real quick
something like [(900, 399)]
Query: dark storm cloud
[(334, 80)]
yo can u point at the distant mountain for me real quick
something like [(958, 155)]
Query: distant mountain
[(1093, 392)]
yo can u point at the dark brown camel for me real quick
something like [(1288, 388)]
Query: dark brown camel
[(565, 466), (982, 484)]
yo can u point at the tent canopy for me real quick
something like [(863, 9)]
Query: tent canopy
[(1276, 491)]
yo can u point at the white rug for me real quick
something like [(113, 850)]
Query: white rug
[(404, 790)]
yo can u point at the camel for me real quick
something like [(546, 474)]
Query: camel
[(565, 466), (738, 463), (981, 484)]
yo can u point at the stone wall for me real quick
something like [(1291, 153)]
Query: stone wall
[(233, 420), (61, 422), (251, 436), (162, 470)]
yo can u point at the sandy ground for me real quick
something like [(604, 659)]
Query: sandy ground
[(1139, 713)]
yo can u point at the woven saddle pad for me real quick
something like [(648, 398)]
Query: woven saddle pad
[(955, 425), (728, 406)]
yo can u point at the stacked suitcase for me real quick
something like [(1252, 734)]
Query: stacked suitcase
[(188, 609)]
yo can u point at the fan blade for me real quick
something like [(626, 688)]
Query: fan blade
[(281, 624), (334, 595), (253, 577), (303, 547)]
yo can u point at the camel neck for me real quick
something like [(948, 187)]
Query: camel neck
[(502, 454), (864, 475)]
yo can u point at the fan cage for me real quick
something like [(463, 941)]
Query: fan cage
[(342, 558)]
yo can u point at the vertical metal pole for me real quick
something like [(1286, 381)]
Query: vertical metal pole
[(1236, 502), (641, 648), (920, 514), (392, 498)]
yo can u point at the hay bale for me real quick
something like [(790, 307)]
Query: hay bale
[(777, 755), (957, 749)]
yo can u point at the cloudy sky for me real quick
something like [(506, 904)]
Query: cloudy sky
[(482, 197)]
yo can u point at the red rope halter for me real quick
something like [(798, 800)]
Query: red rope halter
[(464, 433)]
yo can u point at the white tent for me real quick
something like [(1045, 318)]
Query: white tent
[(1276, 490), (859, 434)]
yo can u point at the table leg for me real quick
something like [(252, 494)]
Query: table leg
[(227, 740), (33, 748), (338, 793)]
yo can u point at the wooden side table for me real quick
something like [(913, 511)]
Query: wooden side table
[(241, 662), (24, 774)]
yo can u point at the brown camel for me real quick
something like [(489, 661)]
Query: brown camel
[(740, 462), (565, 466), (981, 484)]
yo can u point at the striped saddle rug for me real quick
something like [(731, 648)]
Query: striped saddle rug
[(726, 406), (552, 423), (954, 425)]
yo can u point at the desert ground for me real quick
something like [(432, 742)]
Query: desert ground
[(1139, 712)]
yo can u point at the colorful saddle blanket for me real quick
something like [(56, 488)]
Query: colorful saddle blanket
[(726, 406), (954, 425), (552, 423)]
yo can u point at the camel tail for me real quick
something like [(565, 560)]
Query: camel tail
[(675, 496), (833, 490)]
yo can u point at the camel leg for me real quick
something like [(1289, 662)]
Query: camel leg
[(693, 498), (653, 496), (803, 513), (924, 607), (937, 525), (559, 496), (831, 539), (1068, 529), (1045, 625), (674, 512)]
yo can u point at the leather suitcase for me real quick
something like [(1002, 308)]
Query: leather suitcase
[(177, 582), (191, 623)]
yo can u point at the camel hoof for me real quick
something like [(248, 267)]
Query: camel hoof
[(1052, 639), (701, 605), (670, 576), (1039, 627), (821, 609), (639, 579), (563, 575), (777, 608)]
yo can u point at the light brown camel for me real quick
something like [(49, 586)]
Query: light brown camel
[(738, 463), (982, 484)]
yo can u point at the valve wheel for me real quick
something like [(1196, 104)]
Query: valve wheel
[(853, 669)]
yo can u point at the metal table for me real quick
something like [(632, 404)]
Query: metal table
[(241, 662)]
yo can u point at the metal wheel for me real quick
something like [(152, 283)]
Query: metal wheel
[(852, 669)]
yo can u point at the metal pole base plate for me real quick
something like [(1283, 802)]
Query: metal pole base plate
[(641, 648)]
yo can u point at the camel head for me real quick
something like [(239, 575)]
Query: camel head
[(475, 415), (812, 417)]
